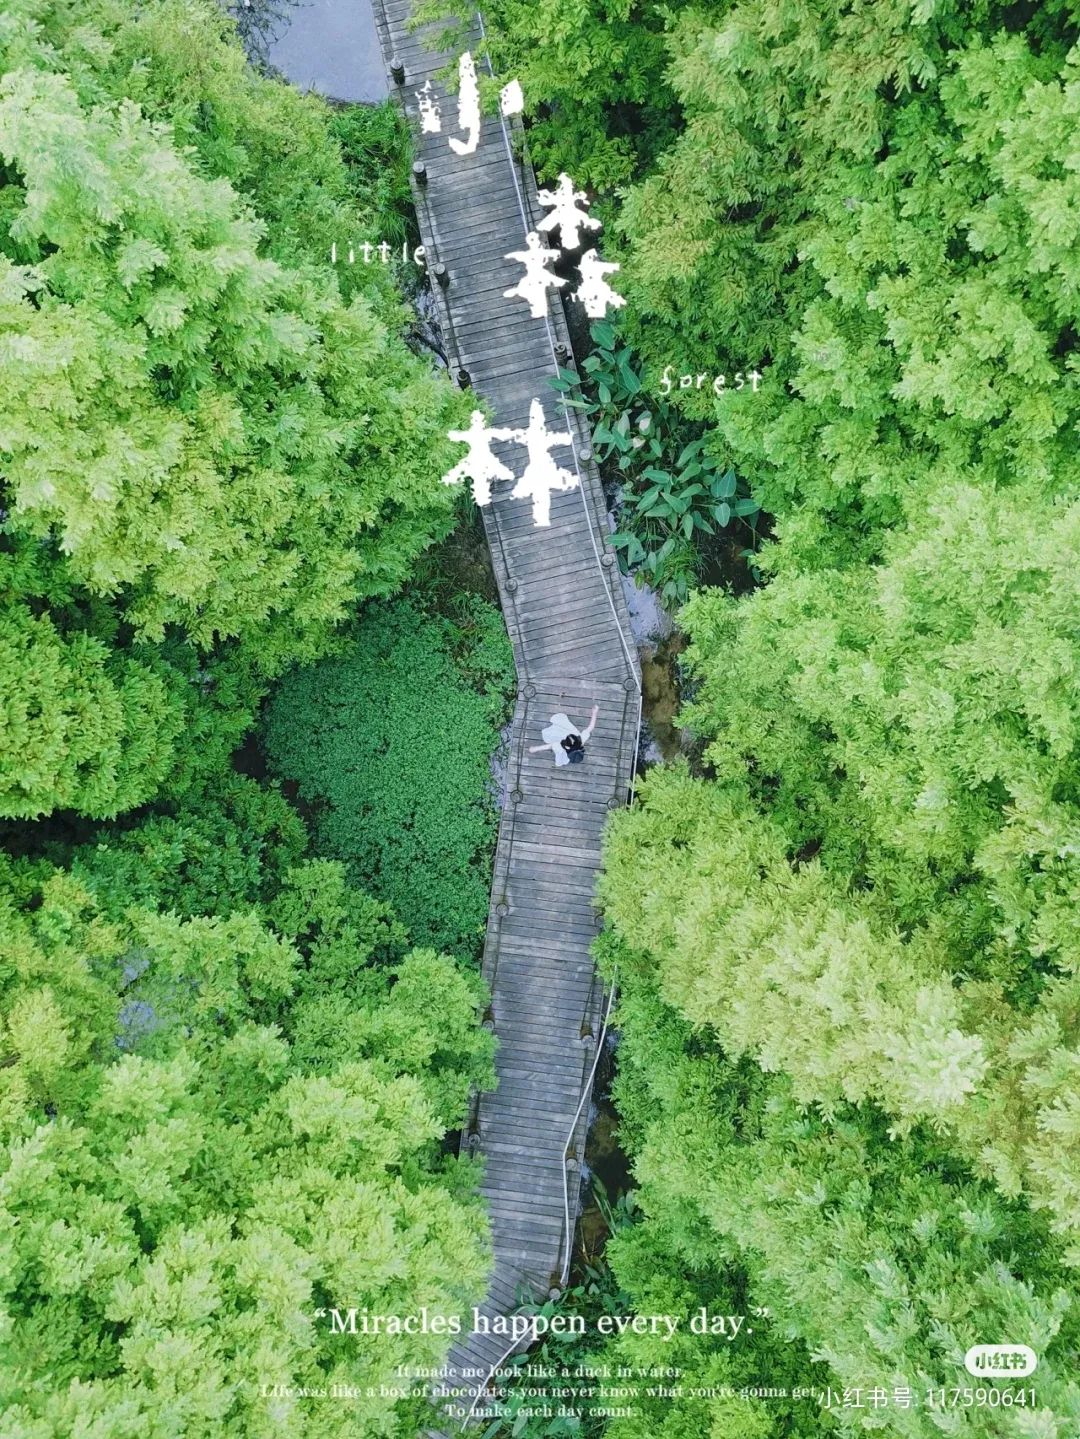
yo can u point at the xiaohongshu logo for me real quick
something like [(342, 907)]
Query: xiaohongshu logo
[(1000, 1361)]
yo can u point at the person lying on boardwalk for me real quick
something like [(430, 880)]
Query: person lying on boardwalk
[(564, 739)]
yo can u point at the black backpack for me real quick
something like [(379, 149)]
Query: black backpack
[(575, 750)]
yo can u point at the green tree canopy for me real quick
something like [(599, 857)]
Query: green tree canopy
[(884, 1261), (207, 455), (198, 1160), (858, 916)]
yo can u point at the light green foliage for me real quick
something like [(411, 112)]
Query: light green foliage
[(873, 896), (140, 501), (80, 727), (282, 151), (391, 745), (325, 962), (885, 1260), (190, 1176), (868, 897), (807, 981), (910, 732), (921, 720), (201, 440), (173, 1314), (58, 1008)]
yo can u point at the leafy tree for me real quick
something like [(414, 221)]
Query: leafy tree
[(207, 455), (592, 72), (883, 1261), (638, 1386), (229, 847), (81, 727), (187, 1187), (58, 1010), (353, 947), (281, 150), (809, 977)]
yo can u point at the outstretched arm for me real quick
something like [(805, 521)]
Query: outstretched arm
[(536, 748), (587, 731)]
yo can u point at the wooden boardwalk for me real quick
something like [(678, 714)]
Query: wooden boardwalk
[(563, 602)]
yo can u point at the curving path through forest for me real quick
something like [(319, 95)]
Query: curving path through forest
[(563, 603)]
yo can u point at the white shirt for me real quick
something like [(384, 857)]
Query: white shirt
[(554, 734)]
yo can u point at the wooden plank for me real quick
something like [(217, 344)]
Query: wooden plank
[(555, 968), (526, 921), (532, 836), (563, 1089), (511, 1179), (554, 972), (574, 621), (564, 555), (548, 1138), (578, 882), (554, 950), (506, 1172), (525, 1116), (563, 791), (561, 1011)]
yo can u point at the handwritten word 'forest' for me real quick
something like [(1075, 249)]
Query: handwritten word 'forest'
[(719, 382)]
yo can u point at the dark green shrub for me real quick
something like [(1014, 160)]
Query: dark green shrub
[(377, 151), (677, 494), (390, 745)]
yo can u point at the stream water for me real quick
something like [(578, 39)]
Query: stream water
[(659, 645), (605, 1173), (330, 46)]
